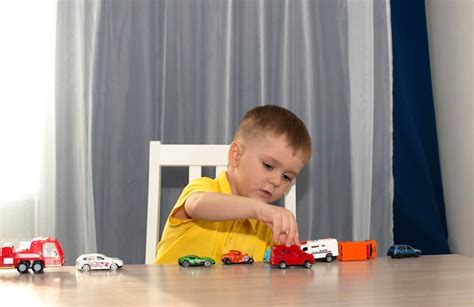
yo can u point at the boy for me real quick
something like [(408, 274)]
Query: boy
[(234, 211)]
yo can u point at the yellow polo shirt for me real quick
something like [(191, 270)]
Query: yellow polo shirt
[(211, 239)]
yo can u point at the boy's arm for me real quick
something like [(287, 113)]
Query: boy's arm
[(213, 206)]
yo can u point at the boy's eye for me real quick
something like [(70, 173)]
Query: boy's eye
[(287, 178), (267, 166)]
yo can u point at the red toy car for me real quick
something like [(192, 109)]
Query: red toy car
[(234, 256), (283, 256), (41, 253)]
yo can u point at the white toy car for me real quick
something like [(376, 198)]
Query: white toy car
[(89, 262), (326, 249)]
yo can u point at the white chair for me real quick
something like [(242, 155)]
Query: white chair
[(194, 157)]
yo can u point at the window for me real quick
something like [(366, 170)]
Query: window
[(49, 250), (27, 29)]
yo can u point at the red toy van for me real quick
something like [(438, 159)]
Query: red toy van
[(283, 256)]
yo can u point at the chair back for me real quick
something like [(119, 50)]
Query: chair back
[(194, 157)]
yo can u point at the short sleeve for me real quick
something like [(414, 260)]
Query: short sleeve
[(203, 184)]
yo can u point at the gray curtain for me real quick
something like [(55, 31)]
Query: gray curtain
[(185, 71)]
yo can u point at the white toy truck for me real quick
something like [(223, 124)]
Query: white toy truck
[(326, 249)]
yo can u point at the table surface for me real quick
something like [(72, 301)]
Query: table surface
[(429, 280)]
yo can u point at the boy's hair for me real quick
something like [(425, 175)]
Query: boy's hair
[(278, 120)]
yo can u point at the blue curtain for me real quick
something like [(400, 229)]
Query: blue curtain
[(419, 213)]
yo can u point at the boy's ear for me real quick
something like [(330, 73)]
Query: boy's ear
[(235, 152)]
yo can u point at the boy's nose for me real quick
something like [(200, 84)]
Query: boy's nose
[(275, 180)]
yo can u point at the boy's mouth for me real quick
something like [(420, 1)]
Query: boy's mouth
[(266, 194)]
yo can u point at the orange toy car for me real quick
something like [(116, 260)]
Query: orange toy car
[(235, 256), (357, 250)]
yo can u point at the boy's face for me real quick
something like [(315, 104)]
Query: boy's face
[(264, 167)]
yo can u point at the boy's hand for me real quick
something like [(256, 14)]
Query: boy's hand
[(211, 206), (282, 222)]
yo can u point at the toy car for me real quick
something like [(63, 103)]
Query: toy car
[(403, 251), (193, 260), (283, 256), (234, 256), (326, 249), (357, 250), (36, 255), (266, 257), (89, 262)]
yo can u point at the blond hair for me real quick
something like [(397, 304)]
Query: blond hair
[(277, 120)]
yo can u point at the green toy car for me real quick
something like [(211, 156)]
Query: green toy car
[(193, 260)]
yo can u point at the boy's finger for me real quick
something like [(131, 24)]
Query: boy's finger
[(286, 230), (297, 234), (297, 237), (276, 229), (291, 238)]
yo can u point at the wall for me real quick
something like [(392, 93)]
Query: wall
[(450, 33)]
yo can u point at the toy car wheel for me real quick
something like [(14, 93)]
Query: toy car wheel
[(22, 267), (250, 260), (417, 254), (113, 267), (307, 264), (282, 265), (185, 263), (207, 263), (329, 258), (226, 261), (86, 268), (38, 267)]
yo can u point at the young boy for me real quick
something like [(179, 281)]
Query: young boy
[(234, 211)]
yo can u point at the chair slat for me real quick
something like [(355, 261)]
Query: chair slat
[(194, 172)]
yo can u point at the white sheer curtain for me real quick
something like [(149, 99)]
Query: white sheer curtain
[(74, 200), (134, 71), (363, 112), (27, 30)]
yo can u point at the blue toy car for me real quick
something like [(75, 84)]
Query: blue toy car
[(403, 251), (267, 255)]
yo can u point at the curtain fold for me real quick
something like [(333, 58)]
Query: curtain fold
[(75, 53), (187, 71), (361, 110)]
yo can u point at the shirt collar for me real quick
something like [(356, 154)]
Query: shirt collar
[(224, 183)]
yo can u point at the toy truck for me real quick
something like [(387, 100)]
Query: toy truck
[(283, 256), (326, 249), (357, 250), (42, 252)]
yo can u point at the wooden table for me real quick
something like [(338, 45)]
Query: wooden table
[(429, 280)]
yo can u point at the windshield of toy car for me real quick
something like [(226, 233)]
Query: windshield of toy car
[(49, 250)]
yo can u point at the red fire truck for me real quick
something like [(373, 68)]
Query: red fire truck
[(42, 252)]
